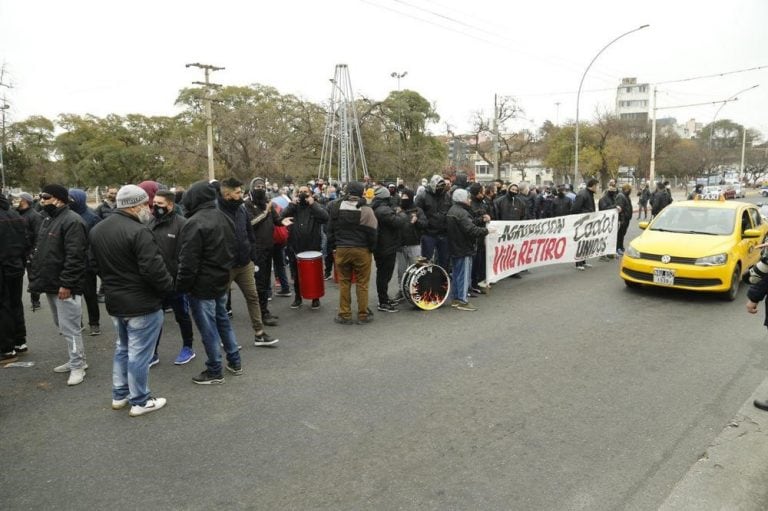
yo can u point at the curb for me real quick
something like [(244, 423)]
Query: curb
[(733, 472)]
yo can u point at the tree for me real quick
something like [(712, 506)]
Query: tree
[(28, 159)]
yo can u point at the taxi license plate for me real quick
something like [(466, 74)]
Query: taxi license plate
[(664, 277)]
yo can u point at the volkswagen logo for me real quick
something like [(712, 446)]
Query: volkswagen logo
[(666, 259)]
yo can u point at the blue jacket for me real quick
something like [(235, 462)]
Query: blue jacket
[(80, 207)]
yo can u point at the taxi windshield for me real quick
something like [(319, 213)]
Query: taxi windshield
[(714, 221)]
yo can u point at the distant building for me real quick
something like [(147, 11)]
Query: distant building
[(632, 99)]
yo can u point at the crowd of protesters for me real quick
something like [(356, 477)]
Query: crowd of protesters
[(159, 250)]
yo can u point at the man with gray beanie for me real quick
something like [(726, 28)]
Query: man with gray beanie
[(136, 280), (463, 234), (58, 270)]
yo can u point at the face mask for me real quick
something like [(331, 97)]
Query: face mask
[(303, 197), (234, 202), (50, 209), (159, 212), (144, 215), (511, 193), (406, 203), (259, 196)]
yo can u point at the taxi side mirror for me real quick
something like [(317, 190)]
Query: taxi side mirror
[(643, 225), (751, 233)]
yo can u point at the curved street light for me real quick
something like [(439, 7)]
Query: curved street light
[(397, 75), (717, 112), (578, 97)]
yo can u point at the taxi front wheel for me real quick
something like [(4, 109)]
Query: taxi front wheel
[(730, 295)]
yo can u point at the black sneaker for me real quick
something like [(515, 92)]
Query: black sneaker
[(268, 320), (229, 313), (327, 276), (236, 369), (343, 321), (364, 321), (284, 292), (21, 348), (387, 307), (316, 303), (8, 357), (264, 339), (206, 378), (35, 306), (296, 303)]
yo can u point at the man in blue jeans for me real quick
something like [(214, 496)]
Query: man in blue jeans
[(128, 259), (206, 254), (464, 231)]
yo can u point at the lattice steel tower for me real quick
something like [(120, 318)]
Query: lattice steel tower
[(342, 158)]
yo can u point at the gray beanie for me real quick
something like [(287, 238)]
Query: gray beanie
[(381, 193), (460, 195), (129, 196)]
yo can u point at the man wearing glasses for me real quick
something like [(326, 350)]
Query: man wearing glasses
[(58, 270)]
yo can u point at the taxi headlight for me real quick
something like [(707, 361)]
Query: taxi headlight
[(632, 252), (715, 260)]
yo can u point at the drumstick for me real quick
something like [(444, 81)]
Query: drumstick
[(762, 245)]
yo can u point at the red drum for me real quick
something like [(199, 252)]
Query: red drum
[(310, 265), (425, 285)]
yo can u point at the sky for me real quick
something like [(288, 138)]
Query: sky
[(102, 57)]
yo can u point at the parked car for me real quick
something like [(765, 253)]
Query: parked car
[(740, 191), (764, 191)]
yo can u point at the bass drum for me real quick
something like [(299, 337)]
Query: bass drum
[(426, 286)]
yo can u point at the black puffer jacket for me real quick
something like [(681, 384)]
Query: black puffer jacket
[(59, 258), (509, 207), (130, 264), (264, 218), (34, 221), (390, 226), (207, 246), (561, 205), (244, 238), (167, 233), (462, 231), (625, 203), (351, 224), (435, 206), (15, 240), (304, 234), (584, 202)]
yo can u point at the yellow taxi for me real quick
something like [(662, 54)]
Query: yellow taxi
[(706, 244)]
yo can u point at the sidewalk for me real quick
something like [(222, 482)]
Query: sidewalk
[(732, 473)]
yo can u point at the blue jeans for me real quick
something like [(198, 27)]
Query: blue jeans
[(278, 261), (431, 244), (460, 278), (211, 318), (179, 302), (136, 337)]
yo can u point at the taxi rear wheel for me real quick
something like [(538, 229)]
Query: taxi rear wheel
[(730, 295)]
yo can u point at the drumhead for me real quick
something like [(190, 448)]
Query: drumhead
[(426, 286), (309, 254)]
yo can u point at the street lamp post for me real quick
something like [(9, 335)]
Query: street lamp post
[(397, 75), (578, 97), (717, 112)]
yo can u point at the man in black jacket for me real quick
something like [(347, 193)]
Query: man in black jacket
[(264, 218), (510, 206), (561, 204), (390, 224), (624, 205), (304, 234), (585, 203), (136, 280), (108, 205), (58, 270), (352, 232), (463, 235), (166, 226), (34, 220), (13, 250), (435, 203), (410, 237), (481, 209), (243, 268), (206, 256), (660, 199)]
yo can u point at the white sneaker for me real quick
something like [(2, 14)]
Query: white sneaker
[(119, 404), (76, 376), (151, 405), (65, 368)]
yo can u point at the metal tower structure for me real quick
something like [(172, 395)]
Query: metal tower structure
[(342, 158)]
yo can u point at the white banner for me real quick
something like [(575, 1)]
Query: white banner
[(516, 246)]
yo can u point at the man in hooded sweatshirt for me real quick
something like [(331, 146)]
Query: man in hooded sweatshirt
[(206, 256), (410, 237), (352, 233), (391, 223), (435, 203), (78, 205)]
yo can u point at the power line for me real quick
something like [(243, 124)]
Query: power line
[(716, 75)]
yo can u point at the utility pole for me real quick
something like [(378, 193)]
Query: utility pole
[(208, 113), (495, 129), (557, 113), (743, 149), (3, 108)]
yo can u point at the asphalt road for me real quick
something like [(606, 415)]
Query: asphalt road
[(564, 391)]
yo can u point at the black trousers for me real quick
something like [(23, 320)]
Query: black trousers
[(264, 262), (13, 330), (623, 226), (385, 266), (91, 301)]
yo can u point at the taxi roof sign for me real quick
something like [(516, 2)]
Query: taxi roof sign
[(711, 196)]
